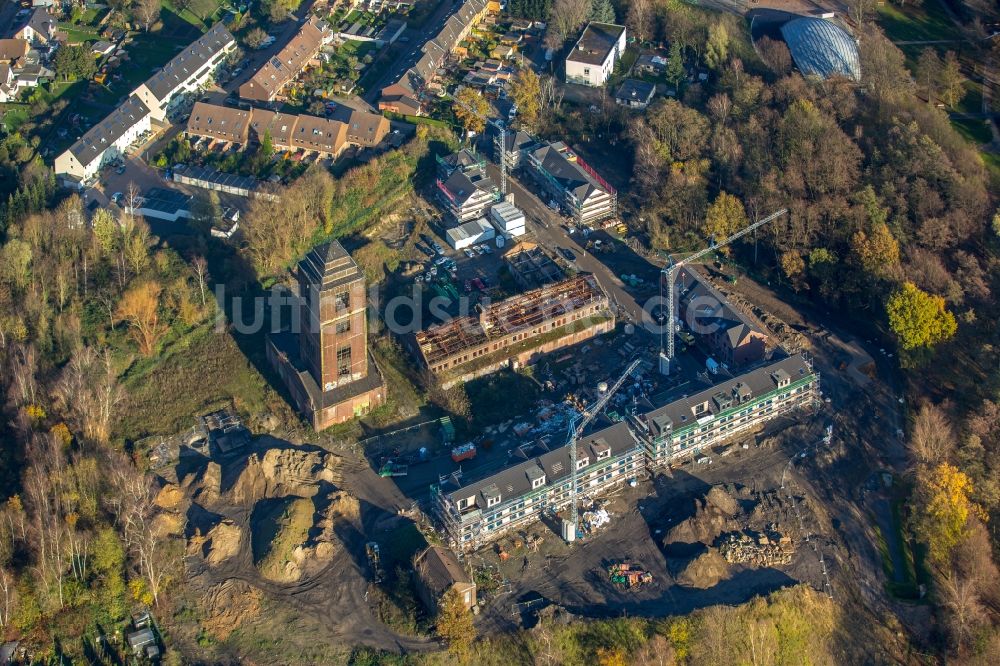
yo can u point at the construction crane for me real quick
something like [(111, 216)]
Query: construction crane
[(501, 145), (576, 427), (670, 273)]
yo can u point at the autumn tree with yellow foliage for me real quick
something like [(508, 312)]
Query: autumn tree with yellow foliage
[(944, 507)]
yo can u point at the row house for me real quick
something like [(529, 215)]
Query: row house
[(572, 184), (281, 69), (105, 142)]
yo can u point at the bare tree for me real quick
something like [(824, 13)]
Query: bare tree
[(133, 504), (147, 12), (566, 18), (8, 597), (932, 438), (201, 271), (88, 390), (966, 613), (23, 368)]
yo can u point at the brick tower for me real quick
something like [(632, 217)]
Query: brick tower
[(329, 372)]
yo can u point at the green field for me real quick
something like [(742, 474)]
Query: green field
[(200, 13), (976, 131), (929, 22)]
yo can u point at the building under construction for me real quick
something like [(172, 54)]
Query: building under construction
[(572, 184), (516, 331), (530, 266), (475, 511), (465, 191)]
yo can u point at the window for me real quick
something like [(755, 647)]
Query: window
[(538, 483), (344, 326), (582, 462), (492, 501), (604, 454), (342, 300), (344, 361)]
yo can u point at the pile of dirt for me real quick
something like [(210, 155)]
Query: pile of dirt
[(218, 544), (713, 515), (170, 497), (166, 524), (283, 555), (227, 606), (704, 571), (207, 485), (284, 472)]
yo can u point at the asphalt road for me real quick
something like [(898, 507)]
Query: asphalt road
[(417, 40), (549, 230)]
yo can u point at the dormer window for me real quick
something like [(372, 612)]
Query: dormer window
[(606, 453), (582, 462), (492, 501), (538, 483)]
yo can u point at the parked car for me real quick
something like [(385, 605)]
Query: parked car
[(567, 254), (117, 197), (469, 253)]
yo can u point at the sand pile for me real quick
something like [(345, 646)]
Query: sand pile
[(228, 605), (284, 472), (704, 571)]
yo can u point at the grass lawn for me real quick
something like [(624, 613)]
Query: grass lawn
[(79, 34), (976, 131), (200, 370), (198, 13), (929, 22)]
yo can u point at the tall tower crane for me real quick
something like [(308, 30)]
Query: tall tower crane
[(576, 427), (670, 274)]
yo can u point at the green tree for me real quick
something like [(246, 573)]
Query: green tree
[(602, 11), (471, 109), (109, 565), (717, 46), (675, 64), (918, 319), (454, 625)]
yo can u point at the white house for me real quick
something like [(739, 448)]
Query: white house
[(190, 71), (469, 234), (508, 219), (593, 58), (37, 28), (104, 141)]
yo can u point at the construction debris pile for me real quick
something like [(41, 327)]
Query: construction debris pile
[(731, 525), (626, 575), (763, 551)]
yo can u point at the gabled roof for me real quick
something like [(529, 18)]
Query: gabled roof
[(13, 49), (680, 412), (287, 63), (320, 134), (439, 569), (101, 136), (556, 160), (219, 122), (712, 308), (186, 63), (40, 21), (516, 480)]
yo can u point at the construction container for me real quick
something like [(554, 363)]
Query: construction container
[(568, 531), (463, 452)]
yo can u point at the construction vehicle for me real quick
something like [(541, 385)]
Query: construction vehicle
[(374, 555), (626, 575), (466, 451), (392, 468)]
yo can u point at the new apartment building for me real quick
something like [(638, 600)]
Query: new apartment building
[(187, 73), (689, 426), (571, 183), (464, 189), (476, 512)]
